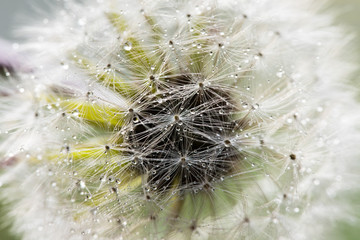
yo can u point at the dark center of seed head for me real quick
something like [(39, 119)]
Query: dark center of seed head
[(160, 143)]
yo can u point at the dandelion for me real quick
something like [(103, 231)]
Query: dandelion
[(180, 120)]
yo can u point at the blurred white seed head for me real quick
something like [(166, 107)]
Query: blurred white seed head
[(180, 120)]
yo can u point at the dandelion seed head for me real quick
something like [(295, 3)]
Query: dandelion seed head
[(179, 120)]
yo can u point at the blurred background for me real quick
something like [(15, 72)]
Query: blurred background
[(15, 13)]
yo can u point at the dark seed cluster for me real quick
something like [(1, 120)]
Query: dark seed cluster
[(183, 138)]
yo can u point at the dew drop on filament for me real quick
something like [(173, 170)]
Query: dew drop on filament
[(127, 46)]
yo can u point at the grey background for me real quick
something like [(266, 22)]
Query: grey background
[(18, 12)]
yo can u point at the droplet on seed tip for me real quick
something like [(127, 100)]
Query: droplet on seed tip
[(127, 46)]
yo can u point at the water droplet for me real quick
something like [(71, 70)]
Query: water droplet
[(111, 179), (316, 182), (280, 74), (75, 113), (319, 109), (82, 184), (127, 46), (94, 211), (82, 21), (227, 143), (136, 119), (275, 220), (177, 118)]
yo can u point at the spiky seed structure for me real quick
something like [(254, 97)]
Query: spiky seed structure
[(178, 120)]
